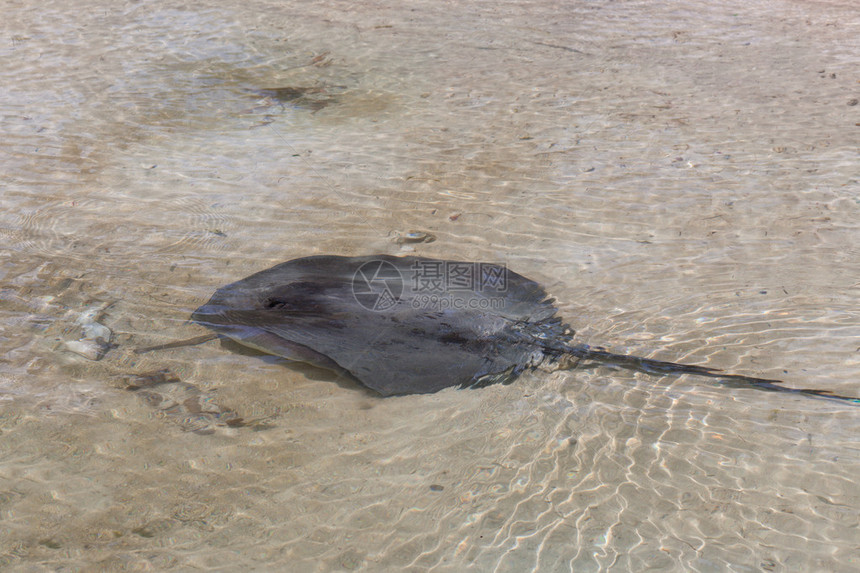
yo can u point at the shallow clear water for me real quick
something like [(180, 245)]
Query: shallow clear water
[(683, 177)]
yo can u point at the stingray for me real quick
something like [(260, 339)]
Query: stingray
[(416, 325)]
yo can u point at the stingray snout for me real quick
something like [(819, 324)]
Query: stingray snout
[(210, 313)]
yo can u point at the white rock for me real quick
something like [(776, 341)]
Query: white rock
[(89, 349)]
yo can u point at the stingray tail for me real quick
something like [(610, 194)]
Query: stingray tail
[(649, 366)]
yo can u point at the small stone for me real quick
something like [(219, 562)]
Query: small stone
[(414, 237), (89, 349), (95, 330)]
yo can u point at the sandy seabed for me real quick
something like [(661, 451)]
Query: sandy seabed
[(682, 176)]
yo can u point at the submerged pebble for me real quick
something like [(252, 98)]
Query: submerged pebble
[(95, 331), (413, 237), (89, 349), (95, 339)]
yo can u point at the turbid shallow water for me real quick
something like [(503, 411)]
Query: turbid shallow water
[(682, 177)]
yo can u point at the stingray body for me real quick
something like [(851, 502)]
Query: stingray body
[(410, 325)]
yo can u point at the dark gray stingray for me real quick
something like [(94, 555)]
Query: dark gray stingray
[(410, 325)]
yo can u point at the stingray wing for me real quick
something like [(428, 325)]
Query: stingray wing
[(389, 357)]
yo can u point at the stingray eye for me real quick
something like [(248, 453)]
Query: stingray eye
[(275, 303)]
